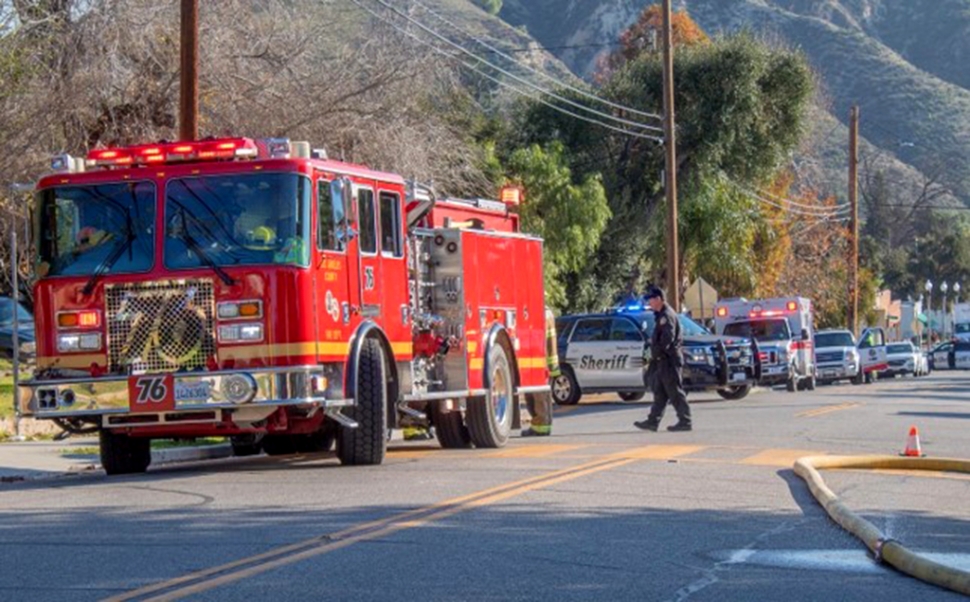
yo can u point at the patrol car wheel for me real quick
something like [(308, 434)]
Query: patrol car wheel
[(122, 454), (565, 389), (366, 444), (449, 427), (632, 395), (734, 393), (489, 418)]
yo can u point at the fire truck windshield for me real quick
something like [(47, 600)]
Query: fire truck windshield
[(237, 219), (104, 228), (761, 330)]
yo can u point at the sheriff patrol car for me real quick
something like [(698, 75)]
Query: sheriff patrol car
[(608, 353)]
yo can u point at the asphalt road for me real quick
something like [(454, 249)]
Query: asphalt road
[(599, 511)]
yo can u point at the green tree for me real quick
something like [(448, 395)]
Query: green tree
[(569, 214), (740, 106)]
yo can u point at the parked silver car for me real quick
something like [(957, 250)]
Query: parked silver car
[(902, 360)]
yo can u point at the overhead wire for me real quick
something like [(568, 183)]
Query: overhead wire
[(546, 76), (537, 88), (472, 67)]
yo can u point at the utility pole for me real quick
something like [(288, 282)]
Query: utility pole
[(189, 92), (854, 204), (670, 173)]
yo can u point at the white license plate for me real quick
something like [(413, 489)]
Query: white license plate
[(195, 391), (777, 369), (738, 376)]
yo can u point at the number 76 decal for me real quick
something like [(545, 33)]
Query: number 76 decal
[(151, 393)]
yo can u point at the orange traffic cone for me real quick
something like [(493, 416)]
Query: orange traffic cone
[(912, 444)]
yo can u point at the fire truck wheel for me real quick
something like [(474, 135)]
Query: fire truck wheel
[(450, 428), (490, 417), (247, 444), (632, 395), (279, 445), (121, 454), (367, 443), (565, 389), (734, 393), (314, 443)]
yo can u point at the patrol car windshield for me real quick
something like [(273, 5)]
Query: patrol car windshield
[(82, 229), (904, 348), (688, 327), (237, 219), (834, 339), (961, 346), (761, 330)]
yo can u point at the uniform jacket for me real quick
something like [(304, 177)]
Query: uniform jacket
[(667, 340)]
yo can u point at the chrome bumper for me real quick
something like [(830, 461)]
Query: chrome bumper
[(838, 370), (194, 391)]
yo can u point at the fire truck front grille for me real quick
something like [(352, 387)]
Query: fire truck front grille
[(160, 326)]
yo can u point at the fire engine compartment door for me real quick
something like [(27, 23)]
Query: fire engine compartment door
[(872, 349)]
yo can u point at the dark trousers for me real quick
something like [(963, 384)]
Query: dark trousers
[(668, 386)]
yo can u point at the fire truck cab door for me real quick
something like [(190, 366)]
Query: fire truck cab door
[(370, 254), (872, 349)]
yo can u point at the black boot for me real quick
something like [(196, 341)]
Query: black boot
[(647, 425), (680, 426)]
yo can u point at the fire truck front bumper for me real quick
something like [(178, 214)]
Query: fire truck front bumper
[(182, 392)]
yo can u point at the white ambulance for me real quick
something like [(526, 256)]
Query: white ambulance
[(784, 331)]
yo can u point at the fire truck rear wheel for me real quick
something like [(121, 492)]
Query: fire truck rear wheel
[(123, 454), (450, 428), (367, 443), (490, 417), (565, 388)]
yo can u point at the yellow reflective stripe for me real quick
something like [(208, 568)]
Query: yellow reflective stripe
[(72, 361), (527, 363), (340, 348), (476, 363), (472, 346), (403, 348)]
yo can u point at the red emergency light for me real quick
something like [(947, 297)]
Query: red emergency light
[(225, 148), (767, 313)]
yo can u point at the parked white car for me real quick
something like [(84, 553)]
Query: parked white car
[(836, 357), (902, 359)]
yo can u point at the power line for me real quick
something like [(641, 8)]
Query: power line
[(538, 72), (535, 87), (505, 84)]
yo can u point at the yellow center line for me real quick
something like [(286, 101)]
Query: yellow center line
[(826, 410), (206, 579)]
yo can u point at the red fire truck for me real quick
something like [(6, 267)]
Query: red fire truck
[(260, 291)]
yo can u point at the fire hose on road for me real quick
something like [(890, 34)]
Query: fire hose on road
[(884, 549)]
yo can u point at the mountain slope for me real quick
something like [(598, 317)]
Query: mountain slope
[(900, 60)]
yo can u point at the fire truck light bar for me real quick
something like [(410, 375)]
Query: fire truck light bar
[(227, 148)]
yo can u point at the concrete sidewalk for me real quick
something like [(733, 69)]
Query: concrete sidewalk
[(31, 460)]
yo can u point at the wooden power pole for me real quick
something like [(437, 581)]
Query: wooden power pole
[(854, 205), (189, 93), (670, 173)]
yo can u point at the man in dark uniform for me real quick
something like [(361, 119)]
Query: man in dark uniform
[(666, 366)]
